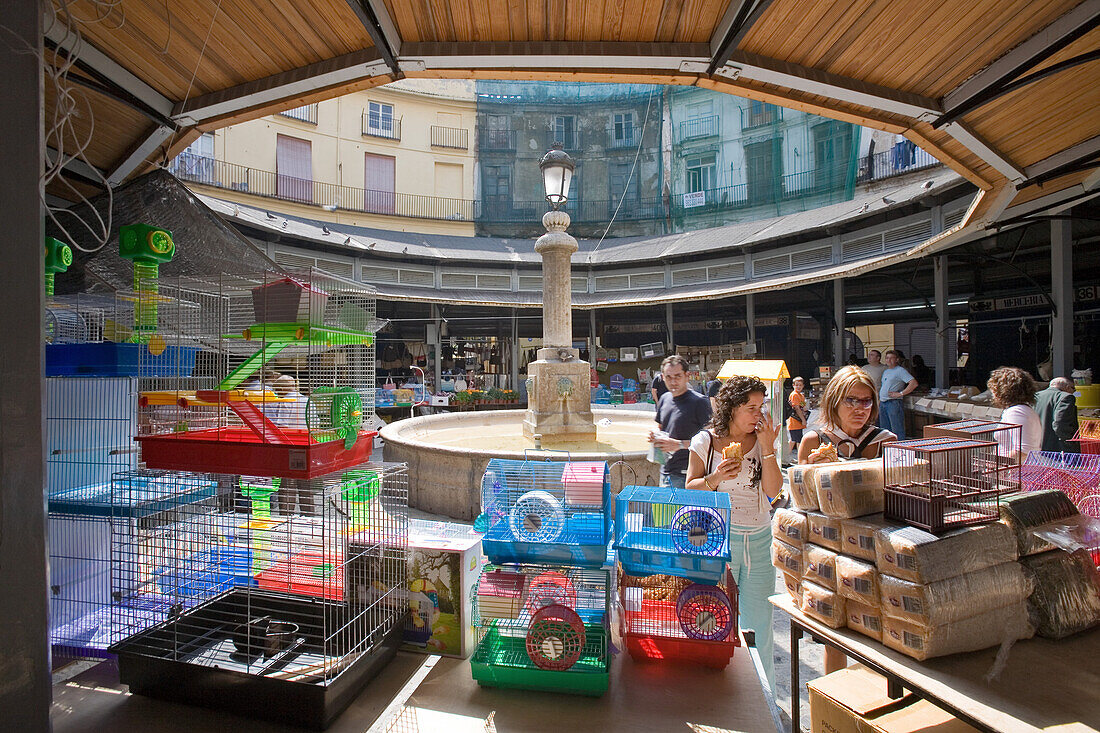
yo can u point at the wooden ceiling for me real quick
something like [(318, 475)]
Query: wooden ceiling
[(952, 76)]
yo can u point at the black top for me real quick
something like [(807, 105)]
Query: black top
[(658, 384), (713, 386), (682, 418)]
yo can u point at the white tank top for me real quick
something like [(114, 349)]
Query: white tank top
[(749, 506)]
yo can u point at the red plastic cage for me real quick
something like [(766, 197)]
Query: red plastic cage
[(1088, 436)]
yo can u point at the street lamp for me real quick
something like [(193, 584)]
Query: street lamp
[(557, 173)]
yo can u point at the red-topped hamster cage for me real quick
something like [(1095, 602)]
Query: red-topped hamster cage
[(283, 382), (1087, 437)]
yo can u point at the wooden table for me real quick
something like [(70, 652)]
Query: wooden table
[(1044, 683)]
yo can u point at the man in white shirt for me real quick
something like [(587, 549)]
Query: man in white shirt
[(895, 385), (874, 367)]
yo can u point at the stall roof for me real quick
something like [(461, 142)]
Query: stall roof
[(768, 370)]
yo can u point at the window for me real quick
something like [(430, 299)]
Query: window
[(379, 121), (622, 130), (378, 194), (700, 109), (701, 173), (196, 163), (497, 184), (294, 168), (762, 113), (761, 166), (832, 153), (497, 134), (621, 181), (565, 131)]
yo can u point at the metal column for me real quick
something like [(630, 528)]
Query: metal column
[(839, 356), (668, 323), (25, 689), (1061, 276), (515, 352), (750, 320), (435, 331), (942, 323)]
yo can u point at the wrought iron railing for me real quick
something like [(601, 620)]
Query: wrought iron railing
[(570, 139), (699, 127), (450, 137), (381, 126), (498, 140), (625, 137), (904, 157), (307, 113)]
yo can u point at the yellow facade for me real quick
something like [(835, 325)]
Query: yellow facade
[(339, 148)]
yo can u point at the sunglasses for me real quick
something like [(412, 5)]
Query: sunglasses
[(855, 402)]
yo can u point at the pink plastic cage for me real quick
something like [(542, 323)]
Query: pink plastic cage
[(1077, 475), (1088, 436)]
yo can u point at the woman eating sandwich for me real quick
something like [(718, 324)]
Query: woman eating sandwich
[(736, 455), (850, 406)]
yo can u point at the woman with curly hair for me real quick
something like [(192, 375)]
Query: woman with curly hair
[(736, 454), (850, 406), (1013, 389)]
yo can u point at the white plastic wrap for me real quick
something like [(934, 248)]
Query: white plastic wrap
[(913, 554), (858, 535), (824, 531), (857, 580), (819, 565), (793, 586), (787, 558), (790, 526), (803, 494), (864, 619), (959, 597), (849, 489), (1026, 511), (1067, 592), (991, 628), (823, 604)]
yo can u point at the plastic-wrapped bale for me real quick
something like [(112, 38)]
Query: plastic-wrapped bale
[(803, 494), (857, 536), (849, 489), (794, 587), (863, 618), (959, 597), (824, 531), (819, 566), (913, 554), (1023, 512), (1066, 599), (991, 628), (823, 604), (858, 581), (790, 526), (787, 558)]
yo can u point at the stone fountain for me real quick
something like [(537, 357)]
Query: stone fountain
[(447, 454)]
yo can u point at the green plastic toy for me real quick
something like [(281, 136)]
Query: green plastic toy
[(58, 258), (260, 497), (147, 247), (337, 412), (358, 490)]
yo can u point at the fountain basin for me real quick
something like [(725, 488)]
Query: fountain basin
[(447, 454)]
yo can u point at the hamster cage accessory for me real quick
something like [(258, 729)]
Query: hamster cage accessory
[(673, 531), (545, 511), (1088, 436), (542, 627), (942, 483), (671, 618), (283, 617), (232, 417), (90, 603), (1077, 475)]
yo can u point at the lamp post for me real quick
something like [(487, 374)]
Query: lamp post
[(558, 401)]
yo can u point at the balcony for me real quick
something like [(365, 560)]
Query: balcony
[(621, 138), (497, 140), (699, 127), (766, 114), (388, 128), (904, 157), (570, 139), (307, 114), (457, 138)]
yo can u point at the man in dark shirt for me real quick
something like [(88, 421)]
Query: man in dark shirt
[(681, 413), (657, 388)]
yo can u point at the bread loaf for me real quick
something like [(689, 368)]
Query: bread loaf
[(857, 580), (803, 494), (849, 489), (790, 526), (913, 554), (819, 565), (823, 604), (824, 531), (787, 558), (864, 619), (857, 535)]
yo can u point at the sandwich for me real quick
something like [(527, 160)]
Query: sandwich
[(827, 451), (733, 450)]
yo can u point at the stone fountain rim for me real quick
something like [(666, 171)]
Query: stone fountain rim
[(392, 433)]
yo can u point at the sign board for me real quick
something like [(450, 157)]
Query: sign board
[(696, 198)]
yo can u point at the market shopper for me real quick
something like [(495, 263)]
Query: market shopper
[(1013, 390), (752, 479), (681, 413), (896, 383), (657, 387), (294, 494), (849, 408), (796, 423), (1057, 409), (713, 385), (875, 367)]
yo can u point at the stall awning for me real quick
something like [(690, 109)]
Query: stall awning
[(769, 370)]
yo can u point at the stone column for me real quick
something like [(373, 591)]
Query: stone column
[(556, 248)]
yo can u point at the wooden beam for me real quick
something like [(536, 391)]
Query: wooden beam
[(745, 19), (985, 151), (923, 142), (1050, 166), (137, 156), (554, 55)]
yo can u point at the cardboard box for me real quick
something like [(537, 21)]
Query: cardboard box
[(444, 562), (854, 700)]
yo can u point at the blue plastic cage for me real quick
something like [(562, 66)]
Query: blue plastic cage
[(664, 531), (545, 512)]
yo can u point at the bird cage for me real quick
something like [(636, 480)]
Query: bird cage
[(543, 627), (673, 531), (1077, 475), (671, 618), (545, 511), (280, 615), (1088, 436), (942, 483), (285, 379), (1007, 436), (87, 594)]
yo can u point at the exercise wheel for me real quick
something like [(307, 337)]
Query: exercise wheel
[(698, 531), (536, 517), (555, 638), (704, 612), (550, 588)]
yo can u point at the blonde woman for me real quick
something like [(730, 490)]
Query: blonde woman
[(849, 406), (749, 473)]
